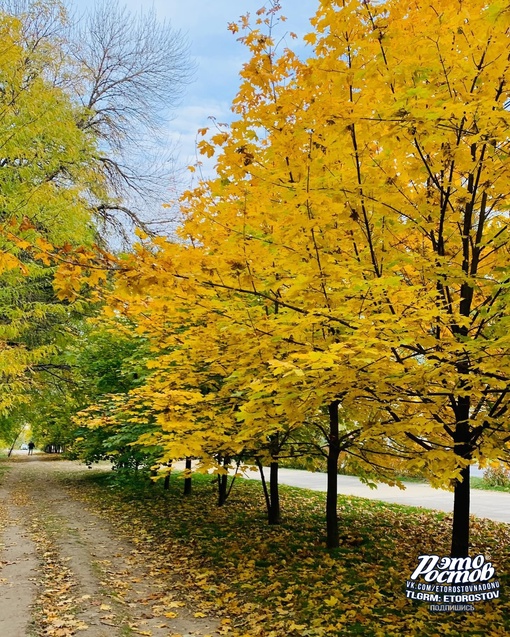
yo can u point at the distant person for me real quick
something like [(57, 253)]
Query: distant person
[(31, 448)]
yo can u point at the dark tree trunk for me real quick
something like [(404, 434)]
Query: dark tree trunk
[(13, 443), (461, 496), (187, 481), (222, 489), (273, 514), (223, 484), (166, 484), (460, 526), (271, 495), (332, 540), (264, 487), (462, 436)]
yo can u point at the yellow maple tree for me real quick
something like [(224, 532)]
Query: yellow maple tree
[(352, 252)]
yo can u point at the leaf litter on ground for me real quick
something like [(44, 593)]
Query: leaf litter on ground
[(281, 581)]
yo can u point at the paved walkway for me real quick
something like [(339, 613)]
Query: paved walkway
[(485, 504)]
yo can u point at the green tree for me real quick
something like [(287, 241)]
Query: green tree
[(48, 170), (109, 361), (126, 71)]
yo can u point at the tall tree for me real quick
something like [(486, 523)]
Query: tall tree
[(356, 237), (48, 172), (80, 99), (127, 72), (419, 107)]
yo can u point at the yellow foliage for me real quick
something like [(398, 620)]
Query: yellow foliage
[(353, 246)]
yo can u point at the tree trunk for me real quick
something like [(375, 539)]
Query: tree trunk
[(222, 489), (273, 514), (271, 495), (462, 447), (166, 484), (332, 540), (264, 488), (13, 443), (460, 526), (187, 481), (222, 484)]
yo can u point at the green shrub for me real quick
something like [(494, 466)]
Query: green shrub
[(497, 476)]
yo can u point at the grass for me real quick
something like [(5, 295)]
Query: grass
[(474, 481), (480, 483), (281, 581)]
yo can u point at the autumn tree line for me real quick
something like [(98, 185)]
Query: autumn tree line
[(338, 289)]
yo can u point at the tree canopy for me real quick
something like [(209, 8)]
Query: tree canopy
[(47, 171), (77, 98), (353, 249), (347, 267)]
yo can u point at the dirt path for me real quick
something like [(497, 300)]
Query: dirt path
[(64, 571), (18, 566)]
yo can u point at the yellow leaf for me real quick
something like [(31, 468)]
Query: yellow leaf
[(332, 601)]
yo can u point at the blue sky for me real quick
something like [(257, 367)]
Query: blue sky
[(217, 54)]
